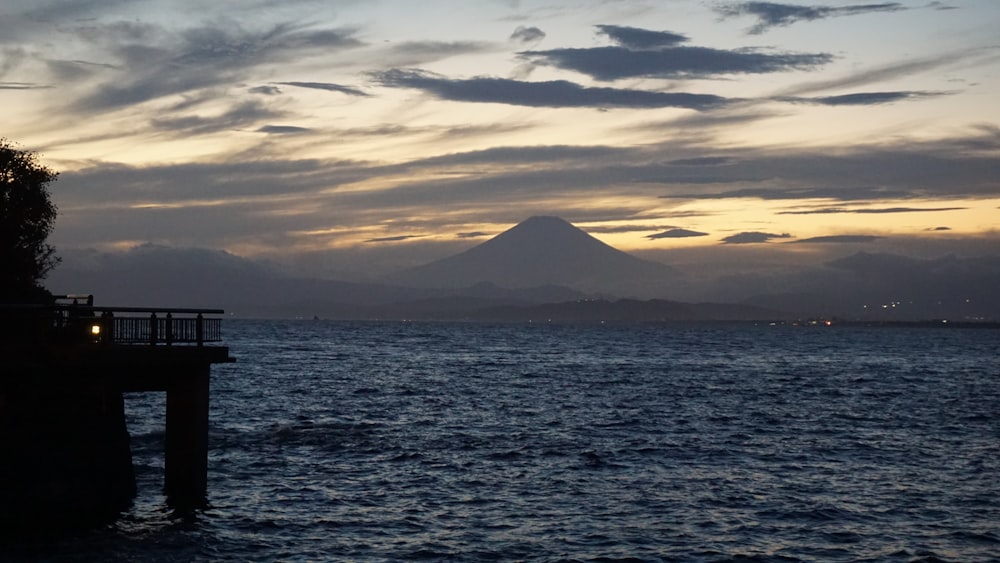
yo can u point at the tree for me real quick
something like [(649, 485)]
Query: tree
[(27, 216)]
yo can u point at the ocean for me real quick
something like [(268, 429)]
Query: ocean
[(396, 441)]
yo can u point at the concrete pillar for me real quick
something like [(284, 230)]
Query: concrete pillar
[(186, 471)]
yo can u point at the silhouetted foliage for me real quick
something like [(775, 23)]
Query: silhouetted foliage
[(27, 216)]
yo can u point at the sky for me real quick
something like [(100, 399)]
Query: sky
[(342, 138)]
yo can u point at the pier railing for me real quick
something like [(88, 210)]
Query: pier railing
[(136, 325), (159, 327)]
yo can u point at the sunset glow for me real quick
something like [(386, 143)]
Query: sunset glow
[(660, 127)]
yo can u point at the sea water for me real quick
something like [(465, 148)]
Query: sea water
[(336, 441)]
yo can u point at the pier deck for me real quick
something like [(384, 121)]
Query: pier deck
[(82, 350)]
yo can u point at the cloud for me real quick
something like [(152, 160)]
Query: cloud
[(937, 229), (283, 130), (849, 239), (236, 199), (676, 233), (773, 14), (395, 238), (265, 90), (241, 116), (887, 72), (156, 62), (70, 71), (416, 53), (872, 211), (861, 98), (23, 86), (702, 161), (473, 234), (909, 170), (661, 57), (636, 38), (527, 34), (326, 86), (753, 237), (557, 93)]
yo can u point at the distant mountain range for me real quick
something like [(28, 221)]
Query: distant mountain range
[(541, 269)]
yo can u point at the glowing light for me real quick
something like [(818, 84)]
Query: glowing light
[(95, 330)]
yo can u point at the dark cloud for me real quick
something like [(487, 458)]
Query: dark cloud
[(702, 161), (861, 98), (636, 38), (236, 198), (773, 14), (936, 229), (283, 130), (697, 178), (54, 10), (753, 237), (632, 228), (910, 171), (116, 184), (326, 86), (661, 57), (871, 211), (265, 90), (473, 234), (677, 233), (848, 239), (557, 93), (394, 239), (527, 34)]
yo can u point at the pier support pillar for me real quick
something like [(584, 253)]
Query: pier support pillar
[(186, 471)]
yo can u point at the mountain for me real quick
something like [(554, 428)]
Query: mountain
[(161, 276), (543, 251)]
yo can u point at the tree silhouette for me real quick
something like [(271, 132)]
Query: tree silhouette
[(26, 219)]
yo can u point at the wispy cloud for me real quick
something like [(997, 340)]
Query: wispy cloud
[(23, 86), (397, 238), (871, 211), (702, 161), (350, 91), (415, 53), (556, 93), (473, 234), (841, 239), (247, 114), (863, 98), (774, 14), (876, 75), (155, 62)]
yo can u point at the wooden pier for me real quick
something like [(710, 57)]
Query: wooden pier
[(74, 357)]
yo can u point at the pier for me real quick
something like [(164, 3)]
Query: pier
[(62, 402)]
